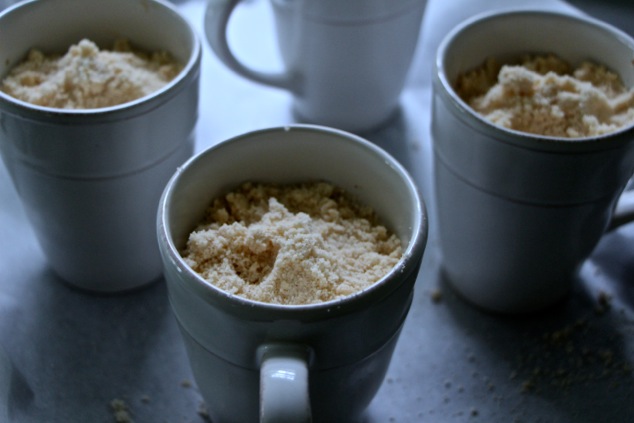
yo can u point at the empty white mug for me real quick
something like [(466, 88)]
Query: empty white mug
[(345, 61)]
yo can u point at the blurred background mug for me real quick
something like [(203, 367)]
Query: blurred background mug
[(346, 62), (90, 179), (519, 213), (253, 359)]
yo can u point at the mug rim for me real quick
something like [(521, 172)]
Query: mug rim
[(10, 104), (378, 290), (444, 87), (394, 8)]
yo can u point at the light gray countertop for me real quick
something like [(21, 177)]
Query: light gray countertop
[(65, 355)]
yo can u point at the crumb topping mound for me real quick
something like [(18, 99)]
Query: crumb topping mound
[(291, 244), (87, 77), (545, 95)]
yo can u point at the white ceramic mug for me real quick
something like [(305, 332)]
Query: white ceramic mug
[(518, 213), (90, 180), (278, 362), (345, 61)]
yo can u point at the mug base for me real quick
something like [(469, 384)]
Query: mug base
[(107, 289), (358, 128), (503, 305)]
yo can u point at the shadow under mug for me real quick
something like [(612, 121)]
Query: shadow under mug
[(518, 213), (345, 62), (90, 179), (278, 362)]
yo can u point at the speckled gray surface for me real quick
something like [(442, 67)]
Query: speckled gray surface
[(65, 355)]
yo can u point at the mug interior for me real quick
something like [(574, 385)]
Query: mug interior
[(290, 155), (53, 26), (299, 153), (506, 36)]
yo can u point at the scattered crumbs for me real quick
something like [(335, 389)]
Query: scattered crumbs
[(436, 296), (186, 383), (145, 399), (120, 411), (447, 384), (474, 412), (576, 354)]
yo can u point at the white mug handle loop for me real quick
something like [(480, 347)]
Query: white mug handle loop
[(284, 396), (217, 17), (624, 210)]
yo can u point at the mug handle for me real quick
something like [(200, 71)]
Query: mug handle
[(284, 394), (624, 210), (216, 21)]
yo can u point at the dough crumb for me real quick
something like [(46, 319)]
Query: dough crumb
[(203, 412), (120, 411), (436, 296)]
